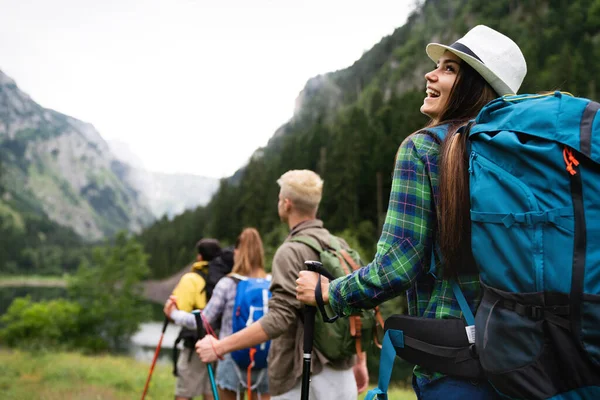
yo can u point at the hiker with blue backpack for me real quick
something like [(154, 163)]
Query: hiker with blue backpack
[(420, 251), (238, 300), (332, 378)]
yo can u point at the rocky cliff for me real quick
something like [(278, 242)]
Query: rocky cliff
[(59, 166)]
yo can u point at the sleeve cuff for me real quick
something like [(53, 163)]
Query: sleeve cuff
[(335, 298), (269, 326)]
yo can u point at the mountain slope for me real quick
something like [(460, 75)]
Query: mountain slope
[(58, 166), (348, 124), (165, 193)]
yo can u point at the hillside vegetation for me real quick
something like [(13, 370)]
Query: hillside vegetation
[(349, 123)]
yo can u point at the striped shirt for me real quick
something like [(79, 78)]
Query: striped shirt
[(403, 259)]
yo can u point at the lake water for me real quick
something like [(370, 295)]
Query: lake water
[(143, 343)]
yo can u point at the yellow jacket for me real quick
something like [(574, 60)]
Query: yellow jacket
[(190, 289)]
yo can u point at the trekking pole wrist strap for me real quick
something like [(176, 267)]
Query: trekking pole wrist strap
[(321, 304)]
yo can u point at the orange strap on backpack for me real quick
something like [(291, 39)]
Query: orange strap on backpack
[(249, 372), (355, 322)]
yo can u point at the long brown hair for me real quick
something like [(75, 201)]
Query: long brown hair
[(249, 256), (469, 94)]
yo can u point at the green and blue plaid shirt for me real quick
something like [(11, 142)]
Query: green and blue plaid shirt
[(403, 259)]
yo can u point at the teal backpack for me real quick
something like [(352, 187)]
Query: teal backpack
[(534, 175)]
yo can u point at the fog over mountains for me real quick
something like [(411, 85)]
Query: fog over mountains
[(58, 166)]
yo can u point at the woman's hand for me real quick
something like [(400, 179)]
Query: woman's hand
[(206, 348), (170, 305), (305, 287)]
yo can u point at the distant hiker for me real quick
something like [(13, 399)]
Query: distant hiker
[(299, 198), (192, 375), (479, 67), (225, 305)]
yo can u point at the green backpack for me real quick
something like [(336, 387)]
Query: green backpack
[(346, 336)]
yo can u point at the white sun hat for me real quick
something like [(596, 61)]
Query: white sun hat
[(493, 55)]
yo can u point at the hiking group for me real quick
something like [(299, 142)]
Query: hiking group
[(490, 231)]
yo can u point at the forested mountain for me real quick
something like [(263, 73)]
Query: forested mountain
[(348, 124)]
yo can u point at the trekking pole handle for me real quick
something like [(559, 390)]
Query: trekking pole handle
[(201, 333), (309, 318), (199, 325), (316, 266)]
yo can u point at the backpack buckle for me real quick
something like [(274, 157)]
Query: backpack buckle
[(536, 312), (473, 351), (530, 311)]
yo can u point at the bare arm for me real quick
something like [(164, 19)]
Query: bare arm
[(283, 311), (210, 348)]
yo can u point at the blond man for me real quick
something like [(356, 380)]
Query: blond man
[(299, 197)]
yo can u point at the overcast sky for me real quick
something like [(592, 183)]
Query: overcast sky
[(189, 85)]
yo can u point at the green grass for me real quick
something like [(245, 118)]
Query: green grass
[(396, 394), (72, 376), (62, 376)]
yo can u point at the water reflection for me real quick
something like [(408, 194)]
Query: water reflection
[(144, 342)]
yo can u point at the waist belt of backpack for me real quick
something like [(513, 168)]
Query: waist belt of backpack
[(439, 345), (443, 346), (552, 313)]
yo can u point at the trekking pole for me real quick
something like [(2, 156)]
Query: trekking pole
[(309, 326), (201, 334), (309, 330), (162, 335)]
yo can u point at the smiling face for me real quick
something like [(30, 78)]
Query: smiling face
[(439, 85)]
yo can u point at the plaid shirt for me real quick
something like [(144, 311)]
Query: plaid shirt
[(403, 259)]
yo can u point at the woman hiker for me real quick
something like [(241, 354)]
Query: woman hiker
[(482, 65), (249, 261)]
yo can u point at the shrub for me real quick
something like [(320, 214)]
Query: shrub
[(47, 324)]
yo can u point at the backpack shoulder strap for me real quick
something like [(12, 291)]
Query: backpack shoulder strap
[(203, 275), (438, 133), (238, 277), (334, 243), (462, 302), (309, 241)]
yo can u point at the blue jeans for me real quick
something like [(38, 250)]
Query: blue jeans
[(449, 388)]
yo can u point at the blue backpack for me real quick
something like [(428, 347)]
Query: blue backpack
[(534, 175), (251, 303)]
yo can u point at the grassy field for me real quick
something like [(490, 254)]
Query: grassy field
[(72, 376)]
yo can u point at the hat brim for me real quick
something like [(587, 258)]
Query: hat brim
[(436, 50)]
